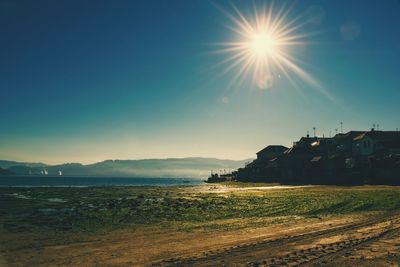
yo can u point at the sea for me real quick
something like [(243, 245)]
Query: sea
[(64, 181)]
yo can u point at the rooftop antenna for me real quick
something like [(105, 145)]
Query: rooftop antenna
[(373, 126), (341, 127), (336, 130), (314, 131)]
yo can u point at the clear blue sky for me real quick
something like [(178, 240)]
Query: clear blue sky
[(83, 81)]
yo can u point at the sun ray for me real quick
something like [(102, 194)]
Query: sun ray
[(263, 44)]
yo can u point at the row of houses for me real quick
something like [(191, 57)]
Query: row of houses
[(355, 157)]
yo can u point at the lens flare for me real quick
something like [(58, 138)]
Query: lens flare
[(262, 47)]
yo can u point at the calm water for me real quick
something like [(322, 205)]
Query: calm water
[(24, 181)]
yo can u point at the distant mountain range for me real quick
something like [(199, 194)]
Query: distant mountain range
[(171, 167), (5, 164)]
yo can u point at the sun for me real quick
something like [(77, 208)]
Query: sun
[(262, 47), (262, 44)]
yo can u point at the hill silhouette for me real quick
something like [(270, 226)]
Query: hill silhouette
[(195, 167)]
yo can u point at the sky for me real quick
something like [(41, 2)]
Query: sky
[(85, 81)]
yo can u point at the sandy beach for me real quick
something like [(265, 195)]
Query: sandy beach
[(316, 236)]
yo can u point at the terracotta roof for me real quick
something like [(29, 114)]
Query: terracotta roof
[(351, 134), (273, 148), (380, 135), (295, 150)]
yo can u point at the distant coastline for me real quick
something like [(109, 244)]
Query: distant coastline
[(194, 167), (64, 181)]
